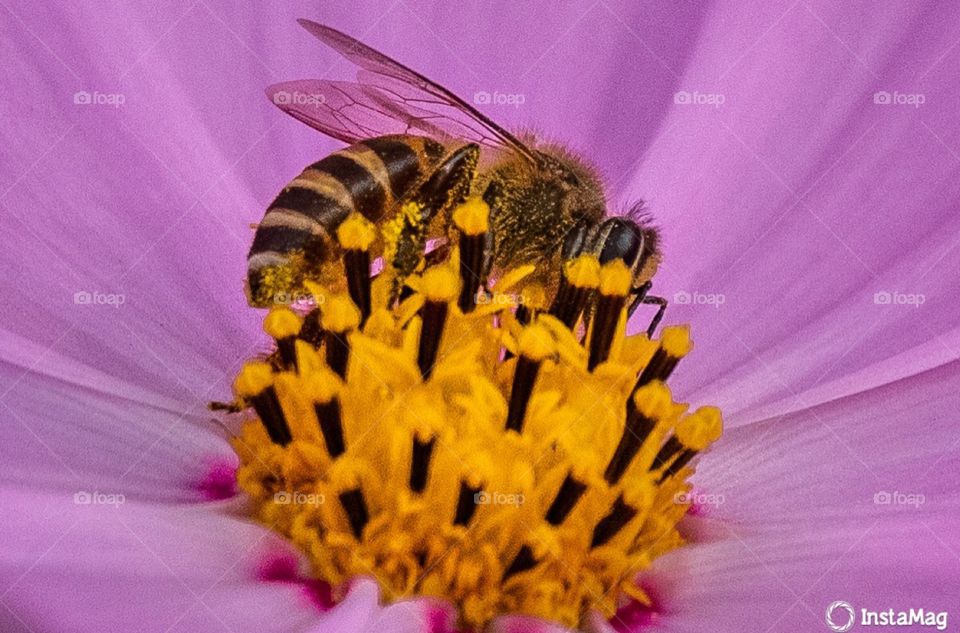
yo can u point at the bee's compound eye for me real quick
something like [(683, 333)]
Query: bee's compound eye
[(622, 239)]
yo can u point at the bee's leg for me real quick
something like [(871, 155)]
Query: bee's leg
[(448, 186), (640, 296)]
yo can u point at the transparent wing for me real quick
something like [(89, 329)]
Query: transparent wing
[(344, 110), (389, 99)]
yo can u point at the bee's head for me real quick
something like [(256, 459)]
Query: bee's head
[(630, 238)]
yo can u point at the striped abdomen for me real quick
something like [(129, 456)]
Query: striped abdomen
[(297, 232)]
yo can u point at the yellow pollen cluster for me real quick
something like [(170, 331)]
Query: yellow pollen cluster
[(471, 454)]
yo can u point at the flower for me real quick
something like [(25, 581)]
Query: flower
[(808, 201), (447, 445)]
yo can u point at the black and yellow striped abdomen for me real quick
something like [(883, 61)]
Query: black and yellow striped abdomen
[(296, 235)]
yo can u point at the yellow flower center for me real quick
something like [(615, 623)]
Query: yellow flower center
[(465, 443)]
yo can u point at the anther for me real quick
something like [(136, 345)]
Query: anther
[(674, 344), (649, 404), (283, 325), (523, 561), (693, 434), (580, 277), (356, 234), (466, 503), (323, 391), (473, 219), (255, 384), (340, 316), (439, 287), (615, 280), (570, 492), (620, 514), (355, 506), (535, 345), (420, 463)]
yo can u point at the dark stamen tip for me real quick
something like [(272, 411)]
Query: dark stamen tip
[(522, 562), (329, 416), (267, 406), (467, 501), (434, 319), (355, 506), (570, 492), (620, 514), (420, 463)]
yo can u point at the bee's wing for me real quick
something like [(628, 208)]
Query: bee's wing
[(387, 90), (344, 110)]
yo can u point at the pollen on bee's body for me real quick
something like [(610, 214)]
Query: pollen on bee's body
[(483, 454)]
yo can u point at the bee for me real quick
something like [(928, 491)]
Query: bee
[(412, 140)]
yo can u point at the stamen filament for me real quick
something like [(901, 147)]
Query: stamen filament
[(355, 506), (356, 234), (570, 492), (472, 218), (439, 287), (420, 463), (580, 277), (535, 345), (618, 517), (284, 325), (340, 316), (615, 280), (255, 384)]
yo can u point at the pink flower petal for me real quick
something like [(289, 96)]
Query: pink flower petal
[(525, 624), (105, 563), (105, 434), (853, 500), (784, 238)]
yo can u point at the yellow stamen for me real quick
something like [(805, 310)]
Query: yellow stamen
[(281, 323), (440, 284), (615, 278), (339, 314), (701, 428), (538, 482), (472, 217), (356, 233)]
